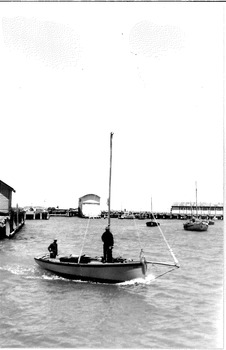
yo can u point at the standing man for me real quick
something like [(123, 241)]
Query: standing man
[(108, 241), (53, 249)]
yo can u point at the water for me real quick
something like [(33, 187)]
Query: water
[(182, 309)]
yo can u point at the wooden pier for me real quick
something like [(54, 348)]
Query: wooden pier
[(161, 215), (11, 219), (12, 223)]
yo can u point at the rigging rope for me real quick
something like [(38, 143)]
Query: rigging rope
[(138, 232), (162, 274), (168, 246), (84, 240), (170, 250)]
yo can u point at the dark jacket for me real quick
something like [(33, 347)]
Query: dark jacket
[(107, 238), (53, 248)]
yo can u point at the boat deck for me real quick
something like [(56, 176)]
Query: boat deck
[(85, 260)]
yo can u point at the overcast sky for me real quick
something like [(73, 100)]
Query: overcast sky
[(152, 73)]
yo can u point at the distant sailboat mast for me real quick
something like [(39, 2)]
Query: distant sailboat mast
[(109, 197), (152, 215), (196, 198)]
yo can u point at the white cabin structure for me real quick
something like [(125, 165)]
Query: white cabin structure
[(89, 206)]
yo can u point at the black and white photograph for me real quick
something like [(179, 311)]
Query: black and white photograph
[(112, 175)]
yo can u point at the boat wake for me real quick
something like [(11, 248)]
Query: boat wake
[(146, 280), (27, 272), (18, 269), (33, 273)]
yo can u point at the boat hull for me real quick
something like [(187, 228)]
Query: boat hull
[(196, 226), (94, 270), (210, 222), (127, 217), (152, 223)]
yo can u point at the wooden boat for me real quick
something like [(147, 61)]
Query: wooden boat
[(211, 222), (152, 223), (196, 225), (127, 216), (82, 267), (93, 269)]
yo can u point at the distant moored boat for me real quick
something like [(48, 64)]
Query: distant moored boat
[(196, 225), (152, 223)]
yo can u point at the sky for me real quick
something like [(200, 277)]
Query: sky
[(151, 73)]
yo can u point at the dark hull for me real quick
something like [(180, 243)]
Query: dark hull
[(94, 270), (196, 226), (152, 223)]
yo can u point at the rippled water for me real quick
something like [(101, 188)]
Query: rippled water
[(182, 309)]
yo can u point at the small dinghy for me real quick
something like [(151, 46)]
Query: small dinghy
[(152, 223)]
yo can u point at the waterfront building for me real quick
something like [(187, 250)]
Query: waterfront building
[(5, 198), (89, 206), (202, 209), (37, 212), (11, 219)]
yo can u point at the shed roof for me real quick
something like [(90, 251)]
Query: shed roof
[(4, 184), (90, 201)]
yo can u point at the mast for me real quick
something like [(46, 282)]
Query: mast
[(109, 197), (152, 216), (196, 198)]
